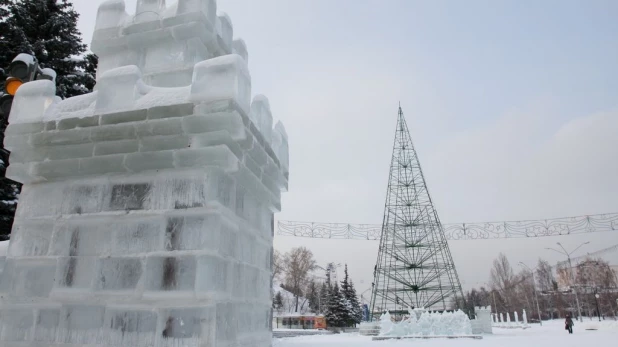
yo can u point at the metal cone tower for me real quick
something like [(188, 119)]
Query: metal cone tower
[(415, 267)]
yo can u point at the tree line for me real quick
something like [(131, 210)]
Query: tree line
[(337, 301), (556, 290)]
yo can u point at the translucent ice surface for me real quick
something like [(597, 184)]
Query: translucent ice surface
[(425, 323), (222, 78), (261, 116), (118, 274), (47, 324), (149, 9), (29, 278), (129, 327), (117, 88), (164, 274), (194, 9), (240, 48), (111, 13), (188, 327), (81, 324), (31, 238), (75, 273), (16, 325), (137, 235), (32, 100)]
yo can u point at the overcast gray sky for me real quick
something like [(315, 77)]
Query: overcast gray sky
[(512, 105)]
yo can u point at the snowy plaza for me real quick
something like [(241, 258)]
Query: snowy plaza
[(552, 333)]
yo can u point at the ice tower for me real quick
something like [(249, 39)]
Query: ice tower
[(146, 215)]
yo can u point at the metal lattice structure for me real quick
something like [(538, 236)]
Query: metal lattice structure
[(461, 231), (414, 267)]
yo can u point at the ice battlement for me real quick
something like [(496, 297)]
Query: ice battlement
[(120, 130), (482, 323), (116, 128), (165, 42)]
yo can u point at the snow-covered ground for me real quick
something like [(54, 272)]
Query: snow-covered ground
[(4, 247), (551, 334)]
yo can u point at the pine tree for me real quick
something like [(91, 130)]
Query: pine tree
[(9, 193), (9, 190), (345, 291), (313, 296), (354, 313), (324, 291), (47, 29), (329, 268), (336, 310), (278, 301)]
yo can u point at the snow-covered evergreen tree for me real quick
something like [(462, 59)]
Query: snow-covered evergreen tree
[(278, 302), (313, 296), (324, 291), (336, 310), (47, 29), (9, 193), (354, 312), (345, 289), (356, 315)]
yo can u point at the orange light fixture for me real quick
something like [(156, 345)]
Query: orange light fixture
[(12, 84)]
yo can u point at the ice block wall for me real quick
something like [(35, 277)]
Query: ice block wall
[(483, 322), (146, 215)]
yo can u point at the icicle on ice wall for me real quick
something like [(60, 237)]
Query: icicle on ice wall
[(146, 216)]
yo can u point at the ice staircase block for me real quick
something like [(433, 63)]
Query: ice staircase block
[(147, 211)]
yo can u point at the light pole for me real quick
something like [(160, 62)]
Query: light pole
[(538, 310), (596, 299), (568, 255), (493, 296)]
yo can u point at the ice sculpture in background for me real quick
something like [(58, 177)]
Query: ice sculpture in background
[(386, 324), (482, 324), (517, 324), (425, 323), (146, 216)]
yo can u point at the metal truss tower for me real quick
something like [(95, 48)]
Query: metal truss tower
[(415, 267)]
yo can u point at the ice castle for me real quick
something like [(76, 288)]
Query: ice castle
[(146, 215)]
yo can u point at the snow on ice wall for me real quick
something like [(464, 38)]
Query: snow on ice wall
[(146, 216)]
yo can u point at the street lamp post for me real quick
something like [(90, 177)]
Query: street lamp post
[(568, 255), (596, 299), (493, 295), (538, 310)]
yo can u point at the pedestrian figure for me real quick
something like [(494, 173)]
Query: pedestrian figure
[(568, 324)]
